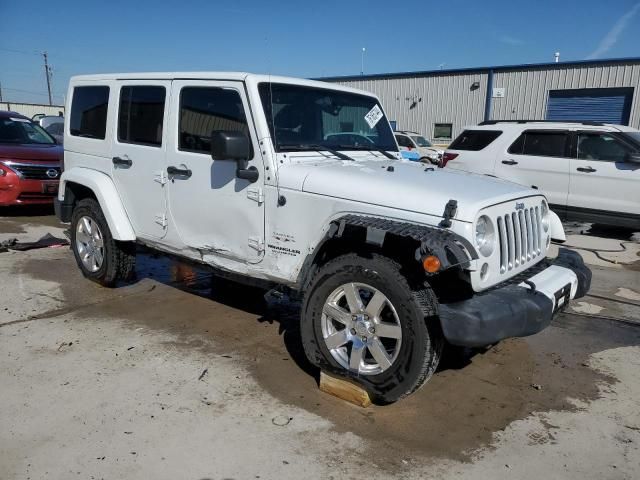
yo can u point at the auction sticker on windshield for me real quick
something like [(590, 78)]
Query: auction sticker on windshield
[(374, 116)]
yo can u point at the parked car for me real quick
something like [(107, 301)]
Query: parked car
[(29, 162), (49, 120), (56, 130), (390, 259), (412, 141), (589, 171), (412, 155)]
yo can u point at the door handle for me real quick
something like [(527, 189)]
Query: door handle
[(121, 162), (586, 169), (179, 172), (509, 162)]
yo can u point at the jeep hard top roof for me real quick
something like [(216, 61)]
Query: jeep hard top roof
[(251, 78)]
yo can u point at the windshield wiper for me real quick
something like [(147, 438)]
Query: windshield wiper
[(370, 149), (320, 148)]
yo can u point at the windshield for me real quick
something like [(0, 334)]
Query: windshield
[(421, 141), (308, 118), (21, 131)]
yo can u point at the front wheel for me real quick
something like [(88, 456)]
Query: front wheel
[(100, 257), (361, 318)]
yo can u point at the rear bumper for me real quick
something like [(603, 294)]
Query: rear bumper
[(516, 310)]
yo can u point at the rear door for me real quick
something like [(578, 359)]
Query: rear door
[(539, 159), (139, 149), (603, 182)]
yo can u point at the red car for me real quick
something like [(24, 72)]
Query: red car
[(30, 162)]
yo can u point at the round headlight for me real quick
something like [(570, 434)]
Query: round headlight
[(485, 235), (545, 216)]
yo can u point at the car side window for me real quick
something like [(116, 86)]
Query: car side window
[(404, 141), (141, 114), (207, 109), (540, 144), (601, 147), (89, 112)]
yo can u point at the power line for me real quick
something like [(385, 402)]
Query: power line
[(25, 52)]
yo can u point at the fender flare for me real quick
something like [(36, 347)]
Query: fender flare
[(107, 195), (451, 249), (556, 228)]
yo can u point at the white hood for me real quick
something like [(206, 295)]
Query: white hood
[(407, 186)]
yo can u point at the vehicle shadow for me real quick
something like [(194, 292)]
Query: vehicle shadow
[(272, 307), (622, 234), (27, 211)]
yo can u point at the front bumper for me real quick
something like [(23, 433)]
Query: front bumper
[(516, 310), (17, 191)]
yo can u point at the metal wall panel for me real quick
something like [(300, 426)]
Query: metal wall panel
[(29, 109), (447, 97), (417, 103), (527, 91)]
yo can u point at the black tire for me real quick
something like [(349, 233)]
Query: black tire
[(416, 307), (119, 257)]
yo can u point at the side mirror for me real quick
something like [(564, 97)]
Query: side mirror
[(633, 157), (230, 145), (236, 146)]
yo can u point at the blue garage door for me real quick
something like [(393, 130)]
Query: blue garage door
[(607, 105)]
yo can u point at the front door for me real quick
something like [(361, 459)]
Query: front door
[(140, 145), (212, 209), (539, 159), (603, 182)]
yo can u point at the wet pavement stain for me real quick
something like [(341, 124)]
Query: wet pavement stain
[(13, 219), (473, 394)]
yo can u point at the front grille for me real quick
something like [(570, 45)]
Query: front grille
[(36, 172), (520, 237)]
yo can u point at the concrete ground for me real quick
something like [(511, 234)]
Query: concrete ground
[(175, 376)]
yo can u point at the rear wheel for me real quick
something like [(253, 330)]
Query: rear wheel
[(362, 319), (100, 257)]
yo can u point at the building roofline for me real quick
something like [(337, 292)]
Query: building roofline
[(497, 68)]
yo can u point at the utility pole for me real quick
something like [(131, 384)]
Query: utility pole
[(47, 72), (362, 61), (0, 91)]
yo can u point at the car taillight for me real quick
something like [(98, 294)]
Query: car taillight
[(447, 157)]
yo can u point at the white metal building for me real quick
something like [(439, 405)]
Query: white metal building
[(439, 103), (31, 109)]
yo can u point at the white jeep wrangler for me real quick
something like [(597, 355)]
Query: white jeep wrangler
[(249, 175)]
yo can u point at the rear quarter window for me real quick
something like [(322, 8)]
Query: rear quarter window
[(89, 112), (474, 140)]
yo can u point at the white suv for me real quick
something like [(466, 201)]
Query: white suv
[(589, 171), (248, 175), (412, 141)]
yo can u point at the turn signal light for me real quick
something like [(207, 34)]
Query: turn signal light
[(431, 264)]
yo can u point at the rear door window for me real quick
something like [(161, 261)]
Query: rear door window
[(140, 119), (541, 144), (474, 140), (89, 112)]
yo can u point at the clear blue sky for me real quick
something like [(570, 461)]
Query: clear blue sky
[(306, 39)]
